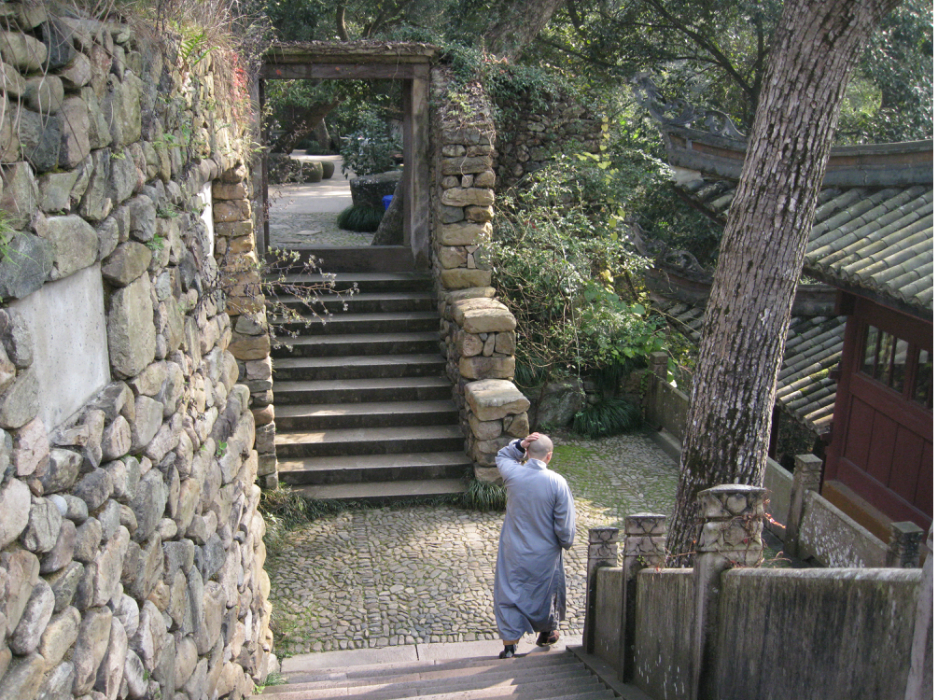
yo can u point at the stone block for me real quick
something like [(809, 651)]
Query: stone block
[(126, 263), (26, 267), (65, 584), (74, 244), (517, 426), (40, 138), (23, 678), (478, 214), (59, 635), (470, 196), (55, 190), (24, 52), (90, 648), (75, 132), (116, 440), (452, 256), (120, 106), (45, 523), (95, 488), (505, 343), (77, 73), (232, 211), (12, 83), (44, 94), (485, 430), (63, 551), (110, 671), (493, 399), (464, 165), (30, 443), (36, 616), (482, 316), (20, 195), (462, 278), (464, 233), (88, 540), (15, 501), (130, 330), (62, 471)]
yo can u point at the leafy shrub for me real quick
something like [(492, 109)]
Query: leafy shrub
[(483, 496), (371, 148), (360, 218), (567, 272), (608, 417)]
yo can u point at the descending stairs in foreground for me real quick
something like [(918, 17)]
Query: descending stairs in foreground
[(363, 409), (558, 675)]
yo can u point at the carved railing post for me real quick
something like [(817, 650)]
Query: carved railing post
[(918, 685), (905, 546), (806, 478), (601, 551), (658, 367), (643, 546), (732, 518)]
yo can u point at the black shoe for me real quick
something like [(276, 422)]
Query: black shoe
[(509, 650), (546, 639)]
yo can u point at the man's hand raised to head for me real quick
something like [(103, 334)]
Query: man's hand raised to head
[(526, 441)]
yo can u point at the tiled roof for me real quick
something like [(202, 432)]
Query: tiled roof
[(814, 347), (874, 238)]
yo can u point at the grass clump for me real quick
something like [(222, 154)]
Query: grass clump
[(483, 496), (360, 218), (284, 510), (608, 417)]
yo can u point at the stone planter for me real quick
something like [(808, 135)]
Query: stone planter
[(370, 190)]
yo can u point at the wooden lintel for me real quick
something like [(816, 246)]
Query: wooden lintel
[(343, 71)]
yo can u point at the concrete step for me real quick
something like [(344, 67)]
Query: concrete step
[(383, 302), (365, 415), (384, 322), (354, 469), (364, 282), (358, 344), (369, 441), (369, 389), (384, 491), (355, 259), (357, 367)]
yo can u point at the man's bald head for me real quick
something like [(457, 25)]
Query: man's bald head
[(539, 449)]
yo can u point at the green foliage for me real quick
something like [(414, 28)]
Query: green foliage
[(371, 148), (564, 268), (611, 416), (483, 496), (360, 218)]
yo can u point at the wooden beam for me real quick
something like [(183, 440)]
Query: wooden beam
[(342, 71)]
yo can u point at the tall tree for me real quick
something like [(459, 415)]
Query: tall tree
[(814, 50)]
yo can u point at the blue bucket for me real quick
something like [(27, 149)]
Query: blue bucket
[(387, 200)]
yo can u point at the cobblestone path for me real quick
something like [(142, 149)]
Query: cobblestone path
[(374, 577)]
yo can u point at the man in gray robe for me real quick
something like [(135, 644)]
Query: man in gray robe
[(529, 593)]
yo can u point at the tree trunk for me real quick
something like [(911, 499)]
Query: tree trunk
[(815, 47), (299, 122), (518, 23)]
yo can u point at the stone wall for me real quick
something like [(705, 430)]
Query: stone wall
[(478, 335), (531, 137), (131, 550)]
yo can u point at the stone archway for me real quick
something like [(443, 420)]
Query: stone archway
[(408, 62)]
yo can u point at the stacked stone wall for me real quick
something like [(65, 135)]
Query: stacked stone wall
[(131, 549), (478, 335), (530, 138)]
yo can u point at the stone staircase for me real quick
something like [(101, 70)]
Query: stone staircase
[(363, 409), (555, 675)]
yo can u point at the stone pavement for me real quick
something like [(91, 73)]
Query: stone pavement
[(379, 577), (303, 215)]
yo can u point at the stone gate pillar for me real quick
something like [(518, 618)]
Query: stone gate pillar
[(732, 517)]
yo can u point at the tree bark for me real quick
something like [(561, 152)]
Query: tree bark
[(518, 23), (813, 52), (299, 123)]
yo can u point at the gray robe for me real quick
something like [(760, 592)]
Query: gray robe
[(529, 592)]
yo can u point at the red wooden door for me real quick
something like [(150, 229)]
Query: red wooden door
[(882, 438)]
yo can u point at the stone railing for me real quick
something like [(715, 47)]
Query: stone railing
[(131, 549), (685, 632), (477, 332)]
